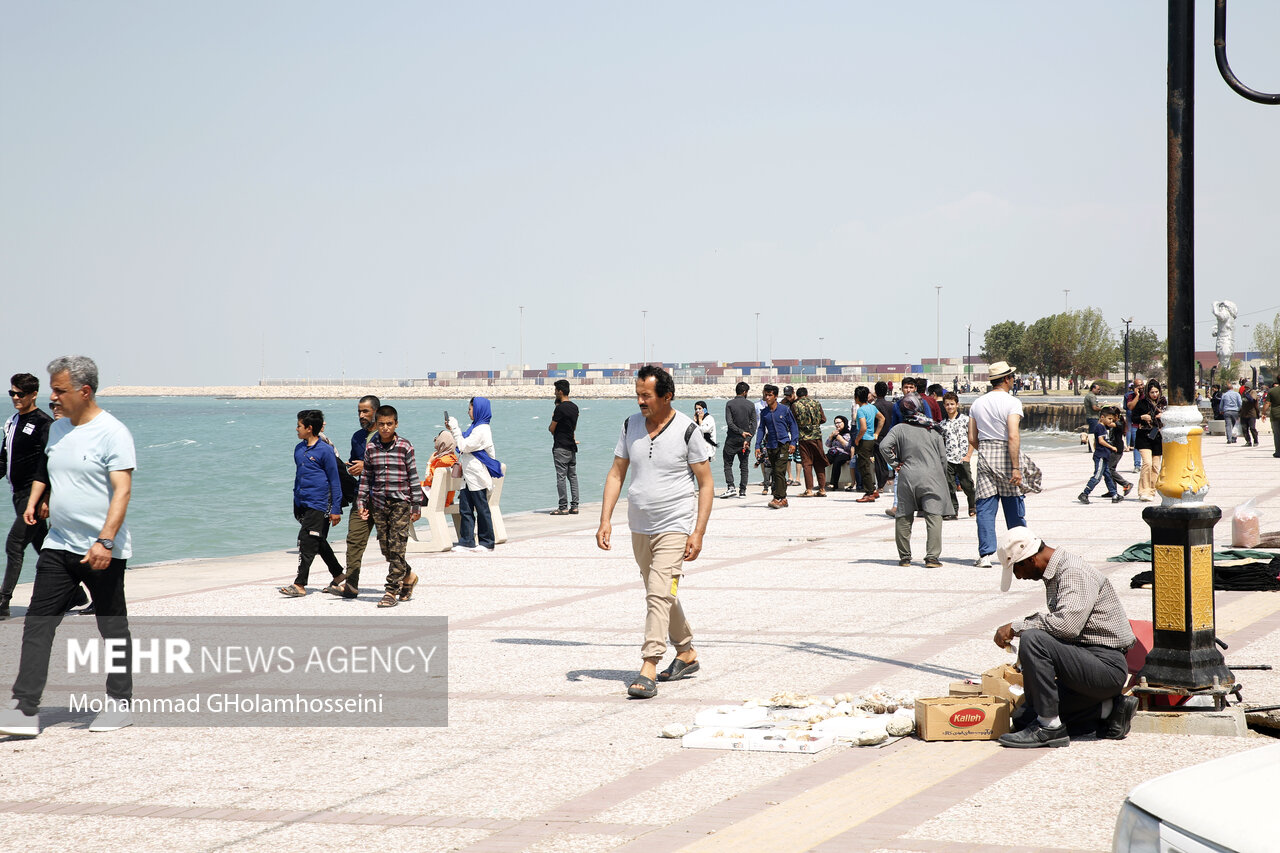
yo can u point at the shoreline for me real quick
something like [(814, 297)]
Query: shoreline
[(711, 391)]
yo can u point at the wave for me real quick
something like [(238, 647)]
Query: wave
[(182, 442)]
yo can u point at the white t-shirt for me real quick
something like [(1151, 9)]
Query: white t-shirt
[(990, 413), (80, 460), (662, 497)]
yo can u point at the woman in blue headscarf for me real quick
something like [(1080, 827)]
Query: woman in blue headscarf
[(479, 468)]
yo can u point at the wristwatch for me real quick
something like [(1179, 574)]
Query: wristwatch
[(109, 544)]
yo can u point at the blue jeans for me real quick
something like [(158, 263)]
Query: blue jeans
[(1015, 515), (1131, 437), (1101, 471), (473, 512)]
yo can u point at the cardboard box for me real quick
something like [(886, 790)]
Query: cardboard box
[(965, 688), (962, 718), (1006, 682)]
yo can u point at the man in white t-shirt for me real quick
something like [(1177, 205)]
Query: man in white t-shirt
[(995, 432), (667, 454), (88, 471)]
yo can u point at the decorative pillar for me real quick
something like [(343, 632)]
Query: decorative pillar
[(1182, 602)]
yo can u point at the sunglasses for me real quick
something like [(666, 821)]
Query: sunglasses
[(13, 393)]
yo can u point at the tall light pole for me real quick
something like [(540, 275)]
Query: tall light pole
[(308, 367), (820, 340), (938, 340), (1127, 323), (757, 336), (968, 362), (1066, 304), (522, 341), (644, 335)]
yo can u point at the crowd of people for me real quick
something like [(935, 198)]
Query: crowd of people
[(74, 468)]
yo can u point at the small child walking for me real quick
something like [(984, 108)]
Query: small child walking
[(955, 430), (1116, 437), (391, 498), (1102, 450)]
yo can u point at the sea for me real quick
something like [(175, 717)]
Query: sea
[(215, 476)]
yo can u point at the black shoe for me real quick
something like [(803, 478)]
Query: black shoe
[(1036, 736), (949, 518), (90, 610), (1120, 719), (78, 598), (4, 612), (1115, 499), (1083, 498)]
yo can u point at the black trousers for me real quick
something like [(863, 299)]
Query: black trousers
[(1067, 680), (311, 541), (729, 455), (21, 535), (58, 573)]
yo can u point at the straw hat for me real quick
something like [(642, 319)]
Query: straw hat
[(999, 371)]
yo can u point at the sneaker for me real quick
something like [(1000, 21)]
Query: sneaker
[(465, 549), (110, 721), (1083, 498), (1145, 499), (1036, 736), (1128, 489), (1123, 709), (982, 562), (14, 723), (904, 562), (932, 564), (729, 492), (742, 493), (1115, 499)]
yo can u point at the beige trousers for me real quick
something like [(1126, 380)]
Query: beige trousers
[(1149, 474), (661, 560)]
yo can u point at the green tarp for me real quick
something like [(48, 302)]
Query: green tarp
[(1141, 553)]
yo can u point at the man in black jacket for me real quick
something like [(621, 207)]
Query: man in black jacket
[(739, 427), (25, 435)]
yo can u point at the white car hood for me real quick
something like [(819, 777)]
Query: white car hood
[(1230, 801)]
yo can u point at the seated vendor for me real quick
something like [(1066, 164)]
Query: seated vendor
[(1073, 656)]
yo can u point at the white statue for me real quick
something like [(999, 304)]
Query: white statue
[(1226, 312)]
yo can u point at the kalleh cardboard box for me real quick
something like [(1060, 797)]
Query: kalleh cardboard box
[(1006, 682), (962, 717), (965, 688)]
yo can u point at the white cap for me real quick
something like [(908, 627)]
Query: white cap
[(1019, 544)]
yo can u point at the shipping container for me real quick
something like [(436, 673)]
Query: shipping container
[(534, 374), (786, 362), (579, 373), (556, 374)]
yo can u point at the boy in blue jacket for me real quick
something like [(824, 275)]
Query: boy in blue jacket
[(317, 499), (1102, 450)]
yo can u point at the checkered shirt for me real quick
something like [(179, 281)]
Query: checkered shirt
[(389, 473), (994, 470), (1083, 606)]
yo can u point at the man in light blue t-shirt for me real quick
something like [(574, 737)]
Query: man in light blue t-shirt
[(88, 471)]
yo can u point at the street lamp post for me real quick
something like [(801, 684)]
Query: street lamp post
[(938, 339), (968, 362), (644, 334), (1066, 304), (757, 336), (522, 341), (820, 340), (1127, 323)]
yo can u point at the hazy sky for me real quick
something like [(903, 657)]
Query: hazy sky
[(189, 191)]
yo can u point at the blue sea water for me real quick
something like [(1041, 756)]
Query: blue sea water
[(215, 476)]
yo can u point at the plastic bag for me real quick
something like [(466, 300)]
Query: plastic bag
[(1246, 531)]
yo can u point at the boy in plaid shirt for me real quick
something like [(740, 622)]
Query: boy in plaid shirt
[(955, 430), (391, 498)]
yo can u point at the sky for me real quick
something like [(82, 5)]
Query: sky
[(207, 193)]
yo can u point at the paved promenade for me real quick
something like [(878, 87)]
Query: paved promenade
[(544, 752)]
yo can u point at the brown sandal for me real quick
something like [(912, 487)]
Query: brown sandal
[(406, 588), (388, 600)]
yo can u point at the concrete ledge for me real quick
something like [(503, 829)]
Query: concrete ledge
[(1228, 723)]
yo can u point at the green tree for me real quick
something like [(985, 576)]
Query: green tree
[(1003, 342), (1266, 340), (1095, 349), (1048, 346), (1146, 353)]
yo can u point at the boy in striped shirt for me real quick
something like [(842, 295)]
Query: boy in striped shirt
[(391, 499)]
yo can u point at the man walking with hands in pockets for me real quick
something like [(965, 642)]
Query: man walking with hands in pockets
[(667, 454)]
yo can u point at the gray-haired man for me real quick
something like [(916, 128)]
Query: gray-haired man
[(89, 470)]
